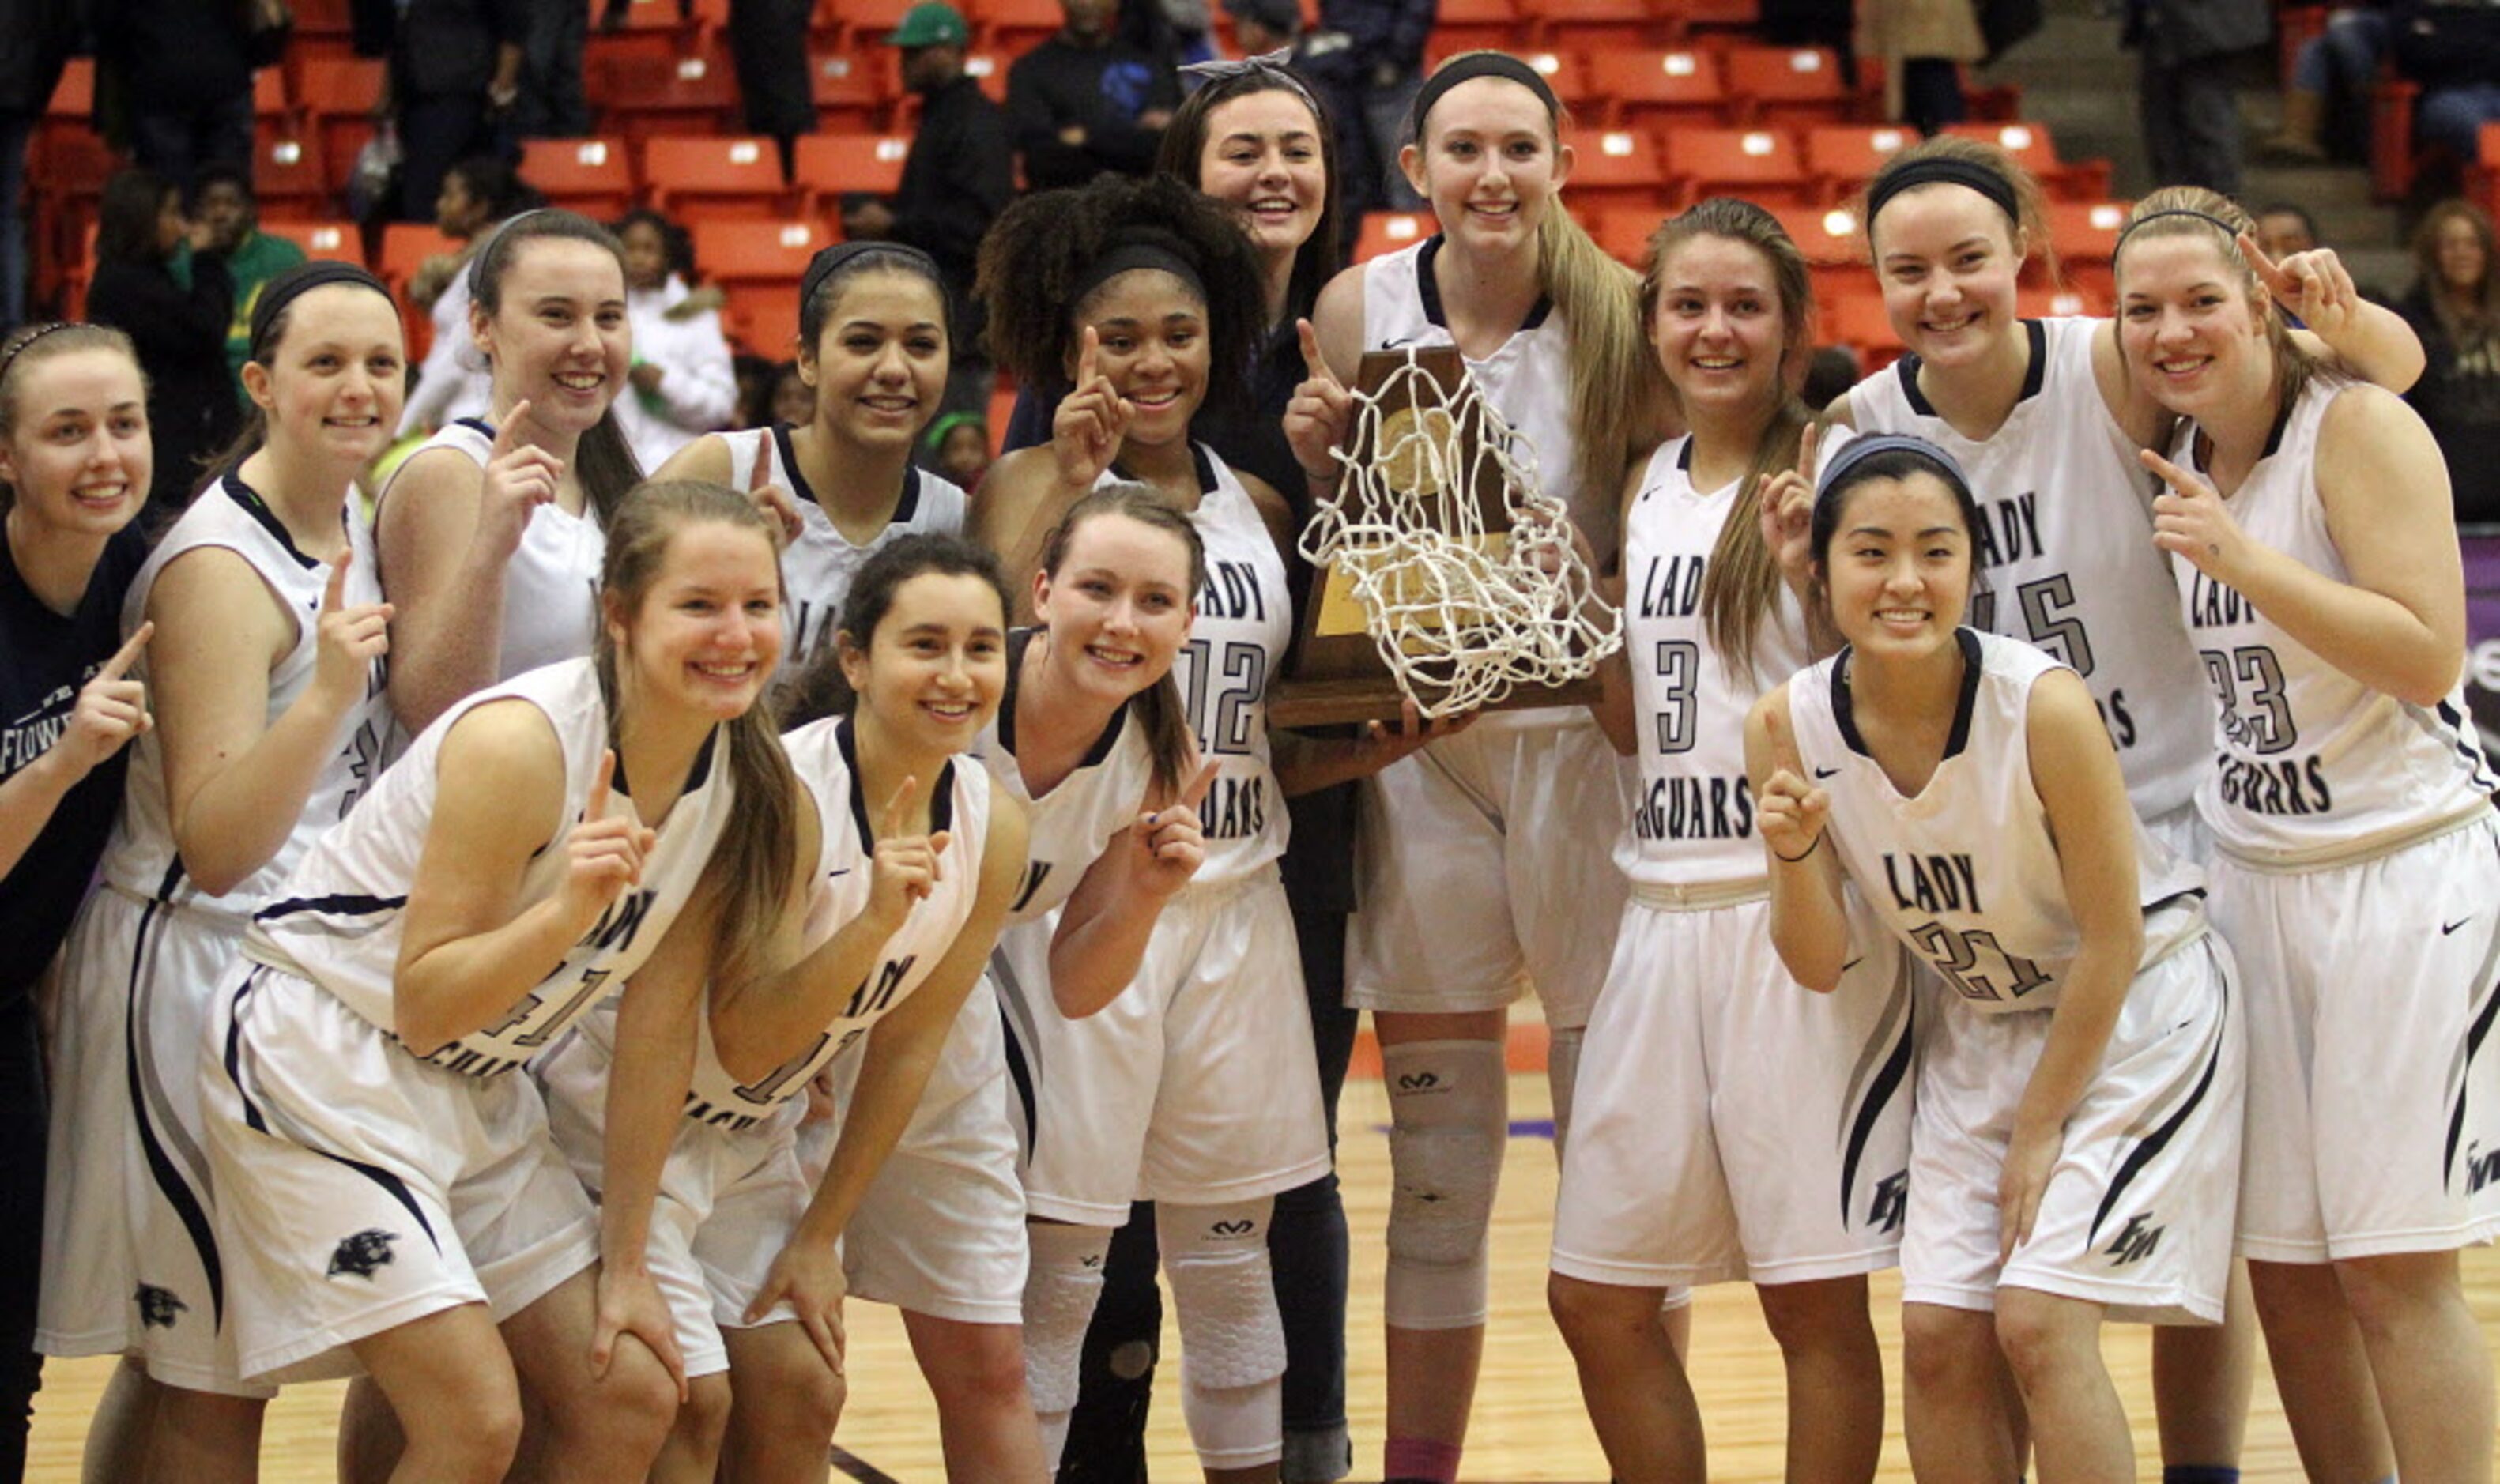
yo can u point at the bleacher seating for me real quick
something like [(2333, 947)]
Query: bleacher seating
[(593, 177), (714, 175), (1758, 164), (758, 265)]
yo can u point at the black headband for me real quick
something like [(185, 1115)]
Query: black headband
[(9, 358), (1471, 65), (1859, 449), (2217, 222), (1945, 168), (1129, 257), (293, 285), (829, 259)]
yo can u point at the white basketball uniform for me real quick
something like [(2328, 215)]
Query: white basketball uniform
[(1197, 1085), (2135, 1216), (359, 1185), (132, 1258), (1482, 859), (818, 566), (2065, 550), (733, 1190), (551, 584), (1690, 1161), (2358, 874)]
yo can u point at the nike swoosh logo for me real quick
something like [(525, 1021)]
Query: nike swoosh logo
[(1827, 772), (2453, 926), (1852, 963), (830, 874)]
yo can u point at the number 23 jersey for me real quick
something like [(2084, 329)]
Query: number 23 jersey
[(1966, 872)]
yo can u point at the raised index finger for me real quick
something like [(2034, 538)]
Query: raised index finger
[(1089, 352), (2178, 478), (1784, 752), (1196, 794), (2268, 273), (508, 436), (1808, 442), (595, 807), (334, 594), (1314, 364), (897, 810), (128, 654)]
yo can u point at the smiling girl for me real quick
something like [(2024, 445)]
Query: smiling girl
[(2077, 1129), (2355, 870)]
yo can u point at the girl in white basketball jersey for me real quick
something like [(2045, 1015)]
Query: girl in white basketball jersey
[(2357, 866), (489, 537), (1143, 297), (386, 1179), (2076, 1139), (269, 716), (2046, 421), (1483, 861), (1687, 1163), (873, 343), (910, 866)]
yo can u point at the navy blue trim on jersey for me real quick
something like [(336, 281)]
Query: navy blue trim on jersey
[(1684, 457), (696, 772), (2035, 375), (169, 1181), (905, 504), (2474, 1035), (1200, 460), (478, 425), (2154, 1142), (1879, 1096), (392, 1184), (2469, 746), (337, 904), (1019, 1071), (248, 500), (942, 797), (1018, 642), (1845, 715), (1429, 289)]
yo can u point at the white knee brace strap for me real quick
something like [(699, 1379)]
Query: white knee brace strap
[(1232, 1338), (1449, 1110)]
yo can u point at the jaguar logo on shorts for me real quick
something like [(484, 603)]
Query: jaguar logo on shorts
[(362, 1255), (1242, 1227), (158, 1308)]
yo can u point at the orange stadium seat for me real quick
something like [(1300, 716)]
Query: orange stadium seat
[(1842, 157), (1617, 168), (341, 240), (758, 265), (1792, 85), (593, 177), (1388, 231), (1624, 230), (269, 94), (1826, 236), (1014, 26), (642, 97), (2032, 149), (1472, 25), (836, 165), (335, 98), (860, 23), (287, 175), (1644, 85), (1758, 164), (405, 248), (729, 175), (1590, 25), (1682, 16), (1857, 320), (851, 89)]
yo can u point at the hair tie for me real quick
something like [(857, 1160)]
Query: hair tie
[(2224, 227), (1868, 446), (1468, 66), (829, 259), (9, 357), (1130, 257), (1928, 170), (293, 285)]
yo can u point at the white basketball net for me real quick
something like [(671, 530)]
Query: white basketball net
[(1454, 610)]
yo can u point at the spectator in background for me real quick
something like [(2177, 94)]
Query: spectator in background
[(2330, 87), (455, 74), (552, 104), (1385, 44), (1921, 45), (229, 217), (958, 177), (1083, 102), (768, 43), (179, 73), (683, 384), (790, 401), (179, 327), (42, 33), (756, 375), (957, 446), (2191, 123), (2454, 306), (2284, 228), (453, 384), (2452, 48)]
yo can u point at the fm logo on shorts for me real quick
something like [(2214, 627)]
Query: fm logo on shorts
[(2134, 1241), (2482, 1166), (363, 1254), (158, 1308)]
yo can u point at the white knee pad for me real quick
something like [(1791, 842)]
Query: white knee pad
[(1562, 1076), (1232, 1337), (1449, 1110), (1060, 1290)]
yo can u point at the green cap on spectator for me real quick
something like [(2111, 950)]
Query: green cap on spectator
[(931, 24)]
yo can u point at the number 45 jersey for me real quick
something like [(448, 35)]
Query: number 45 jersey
[(2066, 549), (1964, 872)]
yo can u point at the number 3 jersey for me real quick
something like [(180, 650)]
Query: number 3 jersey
[(1965, 872), (2065, 545), (339, 916), (2313, 766)]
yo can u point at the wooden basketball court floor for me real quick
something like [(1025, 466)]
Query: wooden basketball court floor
[(1529, 1422)]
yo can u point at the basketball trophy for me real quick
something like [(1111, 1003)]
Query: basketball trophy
[(1445, 575)]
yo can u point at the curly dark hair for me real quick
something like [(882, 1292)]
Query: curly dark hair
[(1040, 250)]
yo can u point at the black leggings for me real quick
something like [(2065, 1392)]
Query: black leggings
[(23, 1127)]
